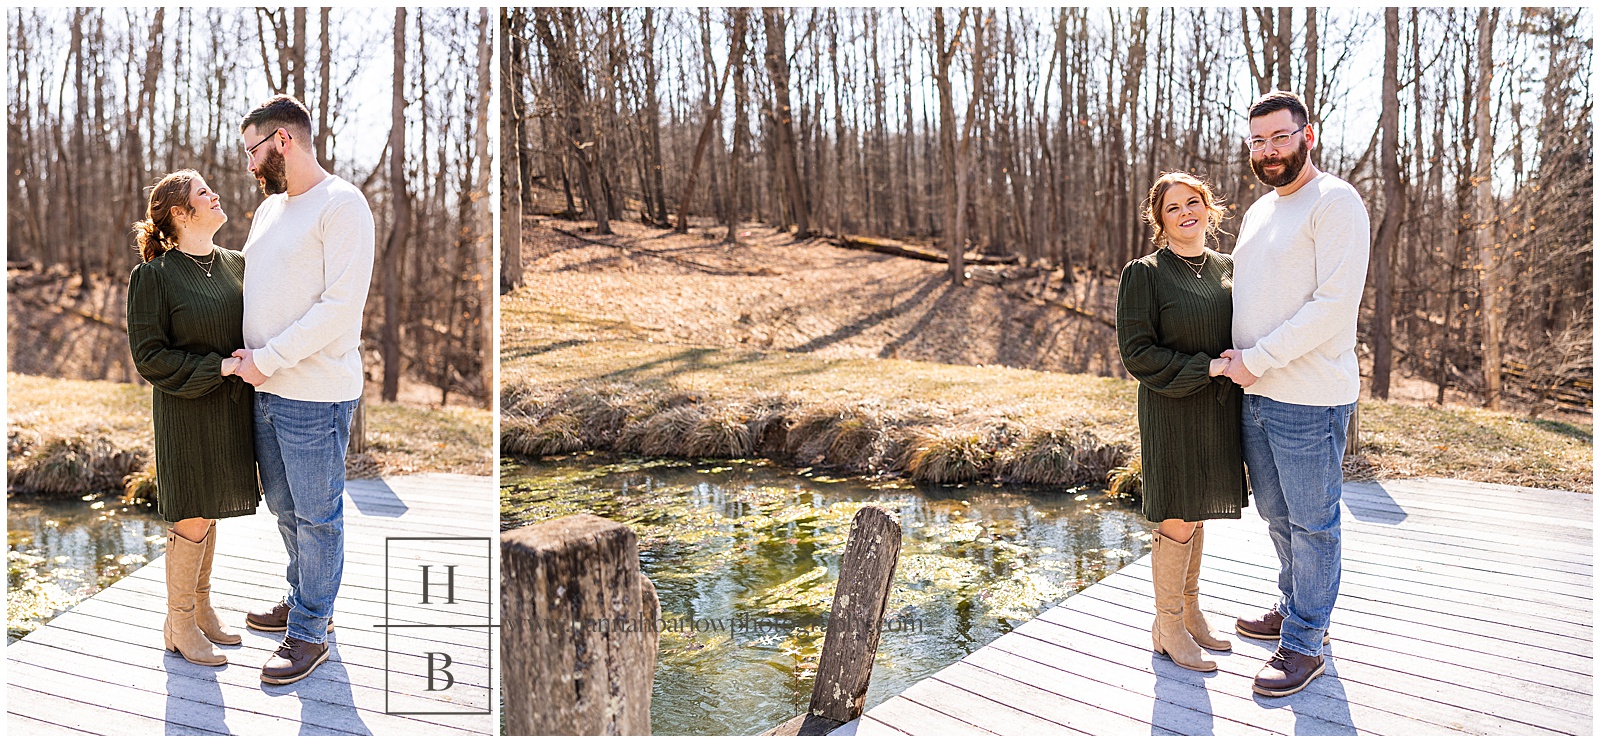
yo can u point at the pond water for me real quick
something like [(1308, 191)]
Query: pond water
[(61, 551), (745, 554)]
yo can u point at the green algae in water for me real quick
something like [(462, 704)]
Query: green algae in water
[(61, 552), (745, 555)]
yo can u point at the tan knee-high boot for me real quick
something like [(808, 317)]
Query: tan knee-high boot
[(179, 632), (1169, 564), (206, 617), (1193, 620)]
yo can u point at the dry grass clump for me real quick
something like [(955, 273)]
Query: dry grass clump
[(770, 416), (1048, 457), (557, 434), (720, 433), (1127, 479), (836, 434), (79, 463), (950, 456), (663, 434), (139, 488)]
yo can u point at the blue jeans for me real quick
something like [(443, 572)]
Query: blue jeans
[(300, 449), (1294, 453)]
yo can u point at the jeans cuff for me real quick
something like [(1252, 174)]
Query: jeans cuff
[(1288, 642), (302, 636)]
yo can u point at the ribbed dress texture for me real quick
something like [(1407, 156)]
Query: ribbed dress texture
[(181, 325), (1170, 325)]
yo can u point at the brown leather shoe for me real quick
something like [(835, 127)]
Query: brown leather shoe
[(1286, 673), (294, 660), (1268, 627), (275, 619)]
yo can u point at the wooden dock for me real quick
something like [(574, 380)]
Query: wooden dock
[(100, 668), (1464, 608)]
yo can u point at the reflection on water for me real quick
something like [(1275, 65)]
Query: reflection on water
[(61, 552), (745, 555)]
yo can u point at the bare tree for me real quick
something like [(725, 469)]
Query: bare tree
[(394, 250), (1383, 248)]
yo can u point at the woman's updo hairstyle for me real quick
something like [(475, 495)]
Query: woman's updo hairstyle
[(157, 232)]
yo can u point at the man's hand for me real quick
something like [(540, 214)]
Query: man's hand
[(1236, 368), (247, 367)]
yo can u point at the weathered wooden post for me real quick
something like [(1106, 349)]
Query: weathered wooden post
[(580, 630), (866, 575)]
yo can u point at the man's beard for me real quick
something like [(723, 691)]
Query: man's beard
[(270, 173), (1292, 165)]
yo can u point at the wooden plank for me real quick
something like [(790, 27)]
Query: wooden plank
[(1263, 580), (359, 666), (1090, 637), (1127, 625), (1550, 555), (17, 724), (1366, 507), (1327, 702), (1363, 549), (912, 718), (1447, 505), (1475, 494), (91, 719), (355, 649), (239, 671), (1368, 648), (1214, 703), (1226, 603), (862, 726), (1519, 491), (993, 716), (86, 697), (1097, 700), (1398, 569), (278, 711), (1414, 592)]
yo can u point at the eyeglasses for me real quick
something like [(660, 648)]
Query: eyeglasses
[(251, 150), (1257, 144)]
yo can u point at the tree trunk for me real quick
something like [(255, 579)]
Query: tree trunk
[(741, 126), (298, 56), (324, 88), (1488, 253), (1311, 49), (510, 164), (783, 120), (1393, 210), (483, 246), (712, 116), (394, 252)]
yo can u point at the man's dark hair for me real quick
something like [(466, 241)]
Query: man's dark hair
[(280, 110), (1279, 100)]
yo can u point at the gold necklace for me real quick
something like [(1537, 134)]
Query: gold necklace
[(207, 265), (1197, 268)]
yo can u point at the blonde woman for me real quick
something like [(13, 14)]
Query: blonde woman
[(1174, 320), (185, 318)]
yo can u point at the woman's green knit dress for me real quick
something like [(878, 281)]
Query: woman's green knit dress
[(181, 325), (1170, 325)]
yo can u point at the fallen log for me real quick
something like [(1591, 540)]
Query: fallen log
[(897, 248)]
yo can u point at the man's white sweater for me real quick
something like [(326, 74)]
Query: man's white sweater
[(308, 264), (1298, 272)]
